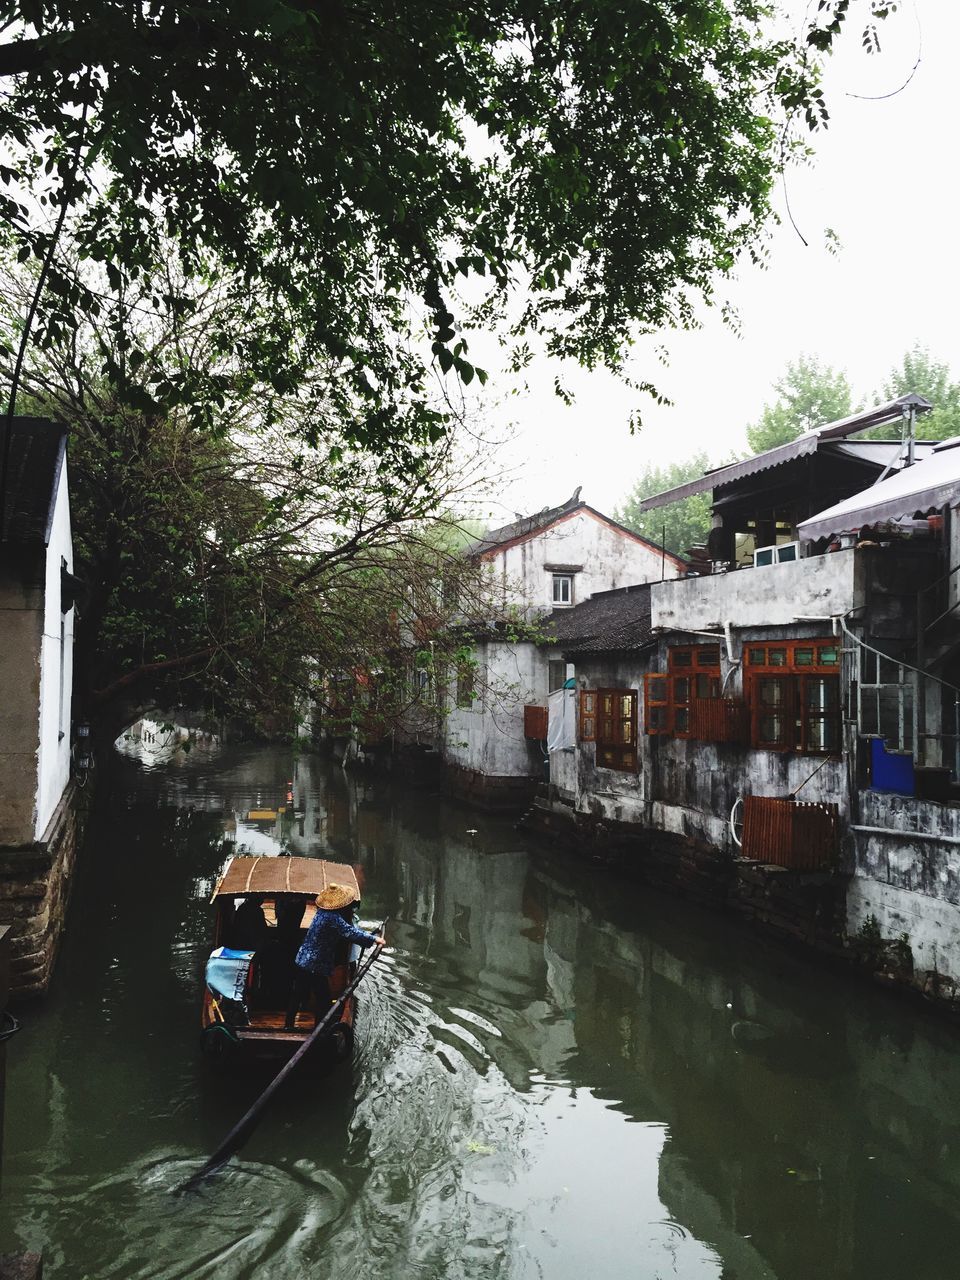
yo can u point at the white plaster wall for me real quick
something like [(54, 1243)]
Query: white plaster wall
[(563, 771), (53, 766), (610, 558), (775, 595), (489, 735)]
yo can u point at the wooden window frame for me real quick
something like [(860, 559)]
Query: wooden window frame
[(617, 730), (787, 662), (673, 715), (588, 715)]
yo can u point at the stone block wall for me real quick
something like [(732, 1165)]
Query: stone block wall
[(35, 881)]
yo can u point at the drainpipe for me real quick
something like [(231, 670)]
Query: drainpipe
[(726, 633)]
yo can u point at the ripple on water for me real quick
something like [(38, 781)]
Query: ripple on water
[(249, 1219)]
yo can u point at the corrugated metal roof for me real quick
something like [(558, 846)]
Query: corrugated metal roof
[(803, 445), (928, 485)]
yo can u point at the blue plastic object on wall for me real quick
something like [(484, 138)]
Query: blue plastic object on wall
[(891, 771)]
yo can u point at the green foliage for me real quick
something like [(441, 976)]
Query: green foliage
[(680, 525), (225, 568), (349, 169), (918, 371), (869, 932), (809, 394)]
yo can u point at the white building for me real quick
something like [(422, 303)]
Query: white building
[(37, 835), (538, 567)]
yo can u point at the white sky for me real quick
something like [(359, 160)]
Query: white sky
[(884, 178)]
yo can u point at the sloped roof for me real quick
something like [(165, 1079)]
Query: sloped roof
[(280, 874), (809, 442), (609, 621), (523, 526), (35, 458), (930, 484)]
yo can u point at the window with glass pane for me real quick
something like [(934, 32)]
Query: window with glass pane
[(708, 687), (821, 714), (656, 703), (774, 713), (588, 716), (557, 674), (757, 657), (562, 588), (617, 730)]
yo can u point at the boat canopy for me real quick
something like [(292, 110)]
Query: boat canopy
[(280, 874)]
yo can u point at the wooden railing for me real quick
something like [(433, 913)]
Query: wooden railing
[(790, 833), (720, 720)]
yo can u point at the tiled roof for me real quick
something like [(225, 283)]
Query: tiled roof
[(35, 458), (523, 526), (609, 621)]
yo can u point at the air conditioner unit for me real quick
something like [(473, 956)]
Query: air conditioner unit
[(780, 554)]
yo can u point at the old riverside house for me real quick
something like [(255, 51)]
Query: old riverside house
[(780, 734), (37, 821), (493, 729)]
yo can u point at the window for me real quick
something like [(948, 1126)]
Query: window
[(588, 716), (793, 689), (557, 675), (563, 588), (616, 721), (466, 672), (673, 703)]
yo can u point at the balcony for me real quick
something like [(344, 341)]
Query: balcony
[(768, 596)]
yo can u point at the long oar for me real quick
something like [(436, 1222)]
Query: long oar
[(243, 1128)]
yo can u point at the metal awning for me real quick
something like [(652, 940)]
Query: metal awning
[(803, 445), (926, 486), (280, 874)]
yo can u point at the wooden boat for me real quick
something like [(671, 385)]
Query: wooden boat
[(253, 961)]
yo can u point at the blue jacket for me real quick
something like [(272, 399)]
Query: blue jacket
[(318, 951)]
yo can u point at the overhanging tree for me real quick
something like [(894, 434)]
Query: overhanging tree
[(222, 567), (352, 166)]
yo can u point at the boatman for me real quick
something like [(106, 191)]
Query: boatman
[(317, 957)]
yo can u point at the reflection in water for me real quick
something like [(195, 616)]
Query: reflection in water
[(556, 1075)]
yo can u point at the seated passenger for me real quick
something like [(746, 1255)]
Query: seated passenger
[(248, 929), (276, 970)]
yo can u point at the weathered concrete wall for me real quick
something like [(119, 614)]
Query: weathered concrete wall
[(775, 595), (909, 883), (488, 737), (21, 629), (56, 667), (605, 557), (693, 785), (35, 883)]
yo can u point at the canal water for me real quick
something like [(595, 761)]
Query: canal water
[(558, 1075)]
